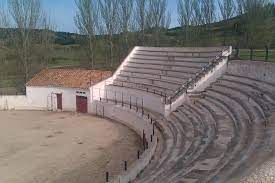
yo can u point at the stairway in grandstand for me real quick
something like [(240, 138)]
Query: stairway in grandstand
[(163, 70), (215, 135)]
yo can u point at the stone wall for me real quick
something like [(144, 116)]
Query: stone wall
[(254, 69)]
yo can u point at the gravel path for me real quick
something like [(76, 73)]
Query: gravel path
[(263, 174)]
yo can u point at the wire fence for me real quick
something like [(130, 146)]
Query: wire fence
[(267, 55)]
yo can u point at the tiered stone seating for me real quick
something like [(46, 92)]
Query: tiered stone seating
[(217, 134), (164, 70)]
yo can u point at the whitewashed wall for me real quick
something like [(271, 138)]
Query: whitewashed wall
[(14, 102), (45, 97)]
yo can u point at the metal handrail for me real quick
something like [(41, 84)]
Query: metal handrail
[(205, 70)]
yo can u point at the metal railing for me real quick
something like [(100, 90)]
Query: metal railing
[(187, 85), (135, 106), (192, 81)]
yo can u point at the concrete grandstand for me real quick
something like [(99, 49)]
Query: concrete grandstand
[(214, 116)]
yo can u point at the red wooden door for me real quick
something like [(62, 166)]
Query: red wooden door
[(81, 104), (59, 101)]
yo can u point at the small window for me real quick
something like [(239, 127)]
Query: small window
[(79, 92)]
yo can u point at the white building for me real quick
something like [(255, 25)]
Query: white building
[(63, 89)]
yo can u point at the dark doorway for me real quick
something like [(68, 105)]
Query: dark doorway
[(59, 101), (81, 104)]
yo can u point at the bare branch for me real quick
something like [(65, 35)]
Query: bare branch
[(87, 23), (125, 14), (109, 17), (29, 21), (227, 8), (140, 18), (158, 18)]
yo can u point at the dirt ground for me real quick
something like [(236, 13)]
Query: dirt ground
[(47, 147)]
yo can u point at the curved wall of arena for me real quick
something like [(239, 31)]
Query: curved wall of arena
[(137, 122), (254, 69)]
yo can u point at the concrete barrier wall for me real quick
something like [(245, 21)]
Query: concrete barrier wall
[(19, 102), (211, 77), (139, 124), (255, 69)]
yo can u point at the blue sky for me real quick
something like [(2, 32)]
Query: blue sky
[(62, 13)]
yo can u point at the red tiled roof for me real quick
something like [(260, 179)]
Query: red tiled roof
[(69, 78)]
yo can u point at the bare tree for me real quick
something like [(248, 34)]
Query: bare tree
[(4, 20), (185, 15), (86, 21), (158, 18), (240, 6), (257, 20), (109, 17), (28, 18), (197, 22), (197, 18), (4, 23), (208, 11), (227, 9), (125, 14), (47, 39), (140, 18)]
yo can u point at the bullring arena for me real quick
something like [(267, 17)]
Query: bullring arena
[(168, 115)]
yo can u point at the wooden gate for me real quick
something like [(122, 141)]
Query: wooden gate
[(59, 101), (81, 104)]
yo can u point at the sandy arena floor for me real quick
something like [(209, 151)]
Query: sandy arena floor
[(46, 147)]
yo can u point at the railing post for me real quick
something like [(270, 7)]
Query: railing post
[(266, 53), (92, 94), (115, 98), (237, 54), (137, 104), (142, 107), (107, 176), (153, 128), (106, 93), (125, 166), (251, 53), (130, 102), (122, 99), (143, 140)]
